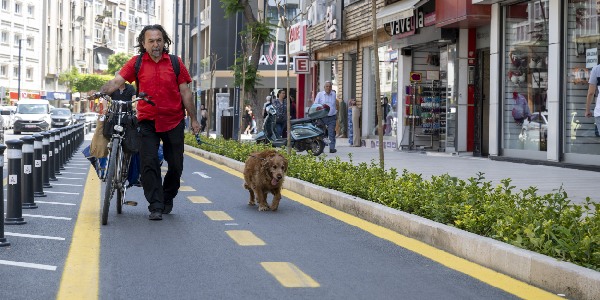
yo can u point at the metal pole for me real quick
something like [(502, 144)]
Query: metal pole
[(19, 76)]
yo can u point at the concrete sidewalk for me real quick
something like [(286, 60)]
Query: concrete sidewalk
[(578, 184)]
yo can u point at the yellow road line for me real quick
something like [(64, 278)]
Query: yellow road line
[(81, 272), (489, 276), (199, 199), (289, 275), (186, 188), (217, 215), (245, 238)]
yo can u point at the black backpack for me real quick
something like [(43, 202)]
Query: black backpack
[(138, 66)]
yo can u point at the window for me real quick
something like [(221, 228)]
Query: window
[(18, 8), (17, 39), (98, 35), (16, 72), (121, 40), (3, 71), (29, 73), (4, 37), (5, 4), (30, 10), (98, 7), (525, 75), (30, 42), (580, 132)]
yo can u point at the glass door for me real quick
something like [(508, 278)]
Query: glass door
[(448, 78)]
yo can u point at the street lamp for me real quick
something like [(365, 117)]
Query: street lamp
[(19, 75)]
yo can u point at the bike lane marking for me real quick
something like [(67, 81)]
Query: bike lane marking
[(199, 199), (245, 238), (218, 215), (289, 275), (503, 282), (80, 278), (27, 265)]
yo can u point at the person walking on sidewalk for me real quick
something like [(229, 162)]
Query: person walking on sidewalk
[(327, 97), (164, 122), (593, 85)]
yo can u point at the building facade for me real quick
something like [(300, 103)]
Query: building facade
[(20, 40)]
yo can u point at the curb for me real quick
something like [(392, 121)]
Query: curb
[(548, 273)]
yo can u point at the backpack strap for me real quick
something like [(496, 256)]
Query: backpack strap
[(138, 66)]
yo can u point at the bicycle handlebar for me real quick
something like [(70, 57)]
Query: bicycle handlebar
[(142, 96)]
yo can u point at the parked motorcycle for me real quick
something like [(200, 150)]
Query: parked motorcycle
[(306, 133)]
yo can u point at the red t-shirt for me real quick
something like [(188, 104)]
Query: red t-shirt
[(157, 79)]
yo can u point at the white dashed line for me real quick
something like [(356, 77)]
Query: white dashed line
[(33, 236), (64, 193), (27, 265), (67, 184), (60, 177), (57, 203), (46, 217)]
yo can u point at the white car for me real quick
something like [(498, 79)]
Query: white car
[(91, 118)]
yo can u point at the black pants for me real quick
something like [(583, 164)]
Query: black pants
[(159, 192)]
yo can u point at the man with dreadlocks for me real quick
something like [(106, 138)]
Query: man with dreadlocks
[(157, 74)]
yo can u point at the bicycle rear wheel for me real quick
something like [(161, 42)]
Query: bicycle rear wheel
[(110, 179)]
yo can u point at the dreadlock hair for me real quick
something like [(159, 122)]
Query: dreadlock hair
[(142, 35)]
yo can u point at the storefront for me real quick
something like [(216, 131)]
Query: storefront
[(541, 88)]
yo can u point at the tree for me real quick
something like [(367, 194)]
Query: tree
[(89, 82), (116, 62), (380, 115), (69, 78), (256, 33)]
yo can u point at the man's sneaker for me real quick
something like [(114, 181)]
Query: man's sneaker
[(155, 216), (332, 150)]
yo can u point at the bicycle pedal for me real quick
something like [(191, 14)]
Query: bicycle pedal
[(130, 203)]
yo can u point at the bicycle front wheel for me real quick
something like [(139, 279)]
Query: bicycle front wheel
[(110, 179)]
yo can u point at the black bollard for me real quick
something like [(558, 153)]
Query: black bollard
[(61, 149), (27, 173), (38, 188), (3, 241), (14, 210), (45, 159), (68, 143), (56, 148)]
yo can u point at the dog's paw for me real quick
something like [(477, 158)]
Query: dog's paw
[(251, 203), (263, 208)]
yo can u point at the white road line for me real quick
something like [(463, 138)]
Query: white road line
[(33, 236), (27, 265), (67, 184), (58, 203), (60, 177), (72, 164), (231, 224), (63, 193), (46, 217), (72, 173), (76, 168)]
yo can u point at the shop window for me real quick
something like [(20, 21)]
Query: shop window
[(581, 51), (524, 107)]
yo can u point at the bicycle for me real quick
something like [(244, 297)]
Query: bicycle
[(118, 159)]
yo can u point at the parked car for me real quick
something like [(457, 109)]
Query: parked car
[(8, 117), (79, 118), (32, 115), (90, 118), (61, 117)]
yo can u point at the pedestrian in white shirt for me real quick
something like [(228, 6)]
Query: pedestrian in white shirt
[(327, 97)]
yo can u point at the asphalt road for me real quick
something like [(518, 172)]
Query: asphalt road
[(214, 246)]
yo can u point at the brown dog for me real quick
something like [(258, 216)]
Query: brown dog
[(264, 173)]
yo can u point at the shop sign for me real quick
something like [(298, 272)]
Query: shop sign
[(122, 24), (591, 57), (297, 37), (58, 96), (331, 24), (24, 95), (401, 26), (415, 76), (302, 64)]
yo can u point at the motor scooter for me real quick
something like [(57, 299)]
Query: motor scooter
[(306, 133)]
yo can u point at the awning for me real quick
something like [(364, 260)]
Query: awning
[(396, 11)]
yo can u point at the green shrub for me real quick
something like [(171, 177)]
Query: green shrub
[(548, 224)]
